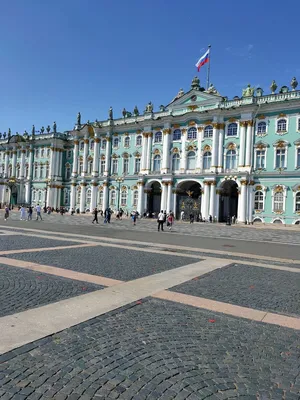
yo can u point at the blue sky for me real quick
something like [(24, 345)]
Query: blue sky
[(64, 56)]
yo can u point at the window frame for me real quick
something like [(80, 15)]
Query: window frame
[(158, 137), (226, 158), (208, 129), (259, 201), (116, 142), (205, 157), (137, 139), (177, 157), (297, 202), (188, 160), (230, 126), (156, 160), (177, 131), (281, 121), (127, 139), (257, 128), (192, 133), (114, 166), (137, 161)]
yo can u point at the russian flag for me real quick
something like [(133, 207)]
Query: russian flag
[(203, 60)]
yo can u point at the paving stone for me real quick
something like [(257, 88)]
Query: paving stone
[(21, 289), (248, 286)]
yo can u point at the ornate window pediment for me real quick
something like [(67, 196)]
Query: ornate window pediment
[(281, 143), (261, 145)]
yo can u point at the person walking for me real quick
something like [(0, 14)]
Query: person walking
[(95, 212), (161, 220), (192, 218), (38, 212), (22, 213), (133, 217), (6, 213), (29, 213), (170, 220)]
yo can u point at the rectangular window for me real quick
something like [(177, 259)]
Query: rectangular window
[(135, 198), (280, 158), (260, 159), (114, 169), (298, 157), (125, 166), (278, 202), (41, 171), (102, 167), (137, 165)]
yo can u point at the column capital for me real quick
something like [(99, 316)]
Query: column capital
[(167, 131), (243, 182), (215, 125), (141, 183), (86, 141), (76, 141), (250, 122), (97, 140), (243, 124), (221, 125)]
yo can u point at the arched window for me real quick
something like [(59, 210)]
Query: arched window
[(232, 129), (116, 142), (208, 131), (48, 153), (192, 133), (137, 165), (177, 134), (261, 128), (135, 198), (280, 158), (41, 171), (113, 197), (26, 171), (102, 166), (123, 198), (81, 146), (35, 171), (88, 197), (207, 160), (158, 137), (39, 196), (90, 167), (127, 141), (47, 170), (260, 159), (68, 171), (80, 167), (298, 157), (34, 195), (231, 159), (278, 201), (258, 201), (36, 152), (175, 162), (114, 166), (92, 143), (138, 140), (103, 144), (100, 198), (281, 125), (125, 165), (297, 202), (78, 196), (191, 159), (42, 152), (156, 163), (66, 196)]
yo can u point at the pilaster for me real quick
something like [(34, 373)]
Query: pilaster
[(221, 144), (183, 151), (243, 125), (96, 157), (215, 145), (140, 205), (82, 197), (75, 159), (249, 145), (166, 149)]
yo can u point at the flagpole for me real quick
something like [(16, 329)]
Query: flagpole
[(208, 68)]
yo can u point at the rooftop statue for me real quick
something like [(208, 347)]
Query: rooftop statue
[(42, 130), (54, 127), (249, 91), (211, 89), (195, 83), (48, 129), (136, 111), (110, 113), (33, 130), (273, 87), (79, 119), (294, 83), (149, 108)]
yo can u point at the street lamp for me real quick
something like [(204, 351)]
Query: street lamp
[(120, 180)]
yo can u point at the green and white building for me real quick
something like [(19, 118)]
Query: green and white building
[(202, 154)]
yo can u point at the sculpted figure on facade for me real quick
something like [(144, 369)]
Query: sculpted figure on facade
[(273, 87), (79, 119), (149, 108), (136, 111), (42, 130), (110, 113), (294, 83), (195, 83), (48, 129), (54, 127), (33, 130), (249, 91)]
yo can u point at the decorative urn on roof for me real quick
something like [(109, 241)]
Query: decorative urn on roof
[(195, 83), (273, 87), (294, 83)]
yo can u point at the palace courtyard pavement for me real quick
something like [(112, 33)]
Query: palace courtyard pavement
[(116, 311)]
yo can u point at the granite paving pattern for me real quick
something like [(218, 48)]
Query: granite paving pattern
[(18, 242), (248, 286), (113, 263), (157, 350), (21, 289)]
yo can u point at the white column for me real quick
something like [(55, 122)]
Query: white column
[(14, 162), (22, 166), (215, 145), (221, 140), (85, 156), (243, 200), (30, 163), (73, 196), (144, 152), (183, 151), (105, 196), (212, 203), (53, 161), (140, 205), (249, 144), (199, 162), (163, 203), (53, 196), (27, 192), (82, 197), (166, 150), (58, 197), (57, 163), (75, 158), (250, 201), (6, 162), (96, 157), (205, 202), (149, 153), (146, 194), (60, 157), (107, 156), (217, 207), (94, 196), (175, 203), (243, 125), (169, 197)]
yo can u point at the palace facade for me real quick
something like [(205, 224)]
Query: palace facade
[(202, 153)]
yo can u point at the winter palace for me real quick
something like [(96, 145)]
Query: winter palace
[(202, 153)]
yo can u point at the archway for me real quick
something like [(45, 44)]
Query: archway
[(189, 199), (12, 194), (228, 200), (154, 197)]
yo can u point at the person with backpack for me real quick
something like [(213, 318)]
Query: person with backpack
[(161, 220)]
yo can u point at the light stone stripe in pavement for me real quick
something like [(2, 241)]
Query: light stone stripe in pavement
[(230, 309), (7, 252), (158, 245), (28, 326)]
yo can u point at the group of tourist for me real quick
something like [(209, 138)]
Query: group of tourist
[(107, 215), (163, 218), (25, 215)]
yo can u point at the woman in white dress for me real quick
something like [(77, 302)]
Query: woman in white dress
[(23, 213)]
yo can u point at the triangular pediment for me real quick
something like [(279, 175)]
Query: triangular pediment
[(195, 98)]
